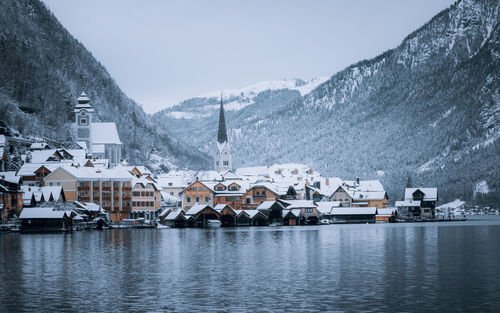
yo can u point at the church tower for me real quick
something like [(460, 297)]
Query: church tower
[(222, 160), (84, 115)]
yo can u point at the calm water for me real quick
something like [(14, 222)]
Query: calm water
[(406, 267)]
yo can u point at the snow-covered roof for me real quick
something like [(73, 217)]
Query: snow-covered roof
[(29, 213), (253, 213), (266, 205), (407, 203), (368, 195), (430, 194), (97, 173), (174, 215), (10, 176), (197, 208), (354, 211), (44, 156), (325, 207), (105, 133), (173, 181), (46, 191), (168, 198), (297, 204), (89, 206), (220, 207), (3, 141), (386, 212), (294, 212), (38, 145)]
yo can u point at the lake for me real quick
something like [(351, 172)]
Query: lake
[(450, 267)]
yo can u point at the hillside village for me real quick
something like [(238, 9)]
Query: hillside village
[(91, 183)]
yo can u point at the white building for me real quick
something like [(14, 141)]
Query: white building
[(101, 139)]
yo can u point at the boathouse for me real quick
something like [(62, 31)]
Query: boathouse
[(202, 214), (291, 217), (273, 210), (227, 215), (176, 219), (46, 219), (353, 215)]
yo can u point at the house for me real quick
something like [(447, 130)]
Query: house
[(111, 188), (146, 198), (197, 193), (418, 202), (229, 192), (258, 193), (172, 184), (46, 219), (353, 215), (308, 210), (101, 139), (11, 196), (368, 193)]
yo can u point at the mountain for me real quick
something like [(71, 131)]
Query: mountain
[(44, 69), (427, 111)]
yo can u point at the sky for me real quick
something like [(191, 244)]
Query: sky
[(161, 52)]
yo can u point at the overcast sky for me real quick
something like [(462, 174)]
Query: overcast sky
[(161, 52)]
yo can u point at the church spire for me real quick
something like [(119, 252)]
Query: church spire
[(222, 134)]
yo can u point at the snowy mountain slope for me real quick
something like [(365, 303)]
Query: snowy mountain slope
[(428, 109)]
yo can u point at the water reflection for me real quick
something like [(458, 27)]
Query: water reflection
[(411, 267)]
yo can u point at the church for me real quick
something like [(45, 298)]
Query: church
[(222, 159), (100, 139)]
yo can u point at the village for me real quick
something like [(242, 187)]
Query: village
[(91, 187)]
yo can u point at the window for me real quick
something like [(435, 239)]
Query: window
[(170, 184), (58, 184), (143, 203), (309, 210), (151, 203), (197, 199), (82, 184), (104, 203), (226, 163), (248, 200), (188, 199), (206, 199), (133, 203), (51, 184), (171, 193), (82, 194), (217, 163), (143, 193)]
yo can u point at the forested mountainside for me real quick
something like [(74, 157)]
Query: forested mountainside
[(43, 69), (428, 110)]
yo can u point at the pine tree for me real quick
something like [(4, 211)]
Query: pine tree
[(409, 183)]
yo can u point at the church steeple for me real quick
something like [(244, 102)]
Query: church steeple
[(222, 134), (222, 158)]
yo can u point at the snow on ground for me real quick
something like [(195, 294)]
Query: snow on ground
[(456, 204)]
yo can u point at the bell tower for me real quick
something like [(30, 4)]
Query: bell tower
[(222, 159), (84, 116)]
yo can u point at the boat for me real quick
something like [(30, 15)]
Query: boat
[(324, 221), (213, 223), (275, 224)]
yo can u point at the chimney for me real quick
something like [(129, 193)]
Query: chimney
[(327, 181), (357, 180)]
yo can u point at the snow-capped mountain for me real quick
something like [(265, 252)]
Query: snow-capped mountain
[(429, 109)]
